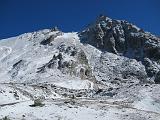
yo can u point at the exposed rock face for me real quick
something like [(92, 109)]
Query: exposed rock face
[(151, 67), (123, 38), (76, 63), (20, 65), (157, 78), (47, 41)]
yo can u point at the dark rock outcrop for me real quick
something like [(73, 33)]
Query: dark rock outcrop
[(51, 38), (77, 66), (123, 38), (17, 67), (157, 78)]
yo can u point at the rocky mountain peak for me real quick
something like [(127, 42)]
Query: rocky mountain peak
[(125, 39), (112, 64)]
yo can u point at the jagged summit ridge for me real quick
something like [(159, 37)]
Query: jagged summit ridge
[(117, 34)]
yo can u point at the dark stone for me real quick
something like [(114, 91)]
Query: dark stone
[(51, 38), (157, 78), (110, 94), (150, 67), (99, 91), (17, 63), (110, 89)]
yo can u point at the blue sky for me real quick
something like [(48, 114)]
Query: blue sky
[(20, 16)]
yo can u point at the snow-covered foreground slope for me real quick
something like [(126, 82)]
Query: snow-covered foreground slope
[(59, 107), (106, 72), (79, 110)]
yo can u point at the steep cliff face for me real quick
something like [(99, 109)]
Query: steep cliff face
[(125, 39)]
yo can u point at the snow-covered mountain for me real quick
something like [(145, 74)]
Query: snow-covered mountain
[(110, 70)]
